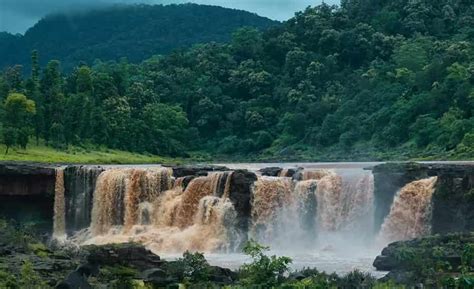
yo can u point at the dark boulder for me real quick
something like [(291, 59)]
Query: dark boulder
[(271, 171), (196, 170), (159, 277), (131, 255), (75, 280), (222, 276), (240, 194), (79, 184)]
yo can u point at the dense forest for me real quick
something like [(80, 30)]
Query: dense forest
[(370, 79), (132, 31)]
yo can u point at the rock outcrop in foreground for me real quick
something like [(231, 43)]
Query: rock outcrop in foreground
[(138, 263), (414, 261)]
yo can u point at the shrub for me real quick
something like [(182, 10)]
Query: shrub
[(263, 270), (29, 278), (8, 281)]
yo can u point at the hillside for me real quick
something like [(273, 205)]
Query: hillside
[(132, 31), (371, 80)]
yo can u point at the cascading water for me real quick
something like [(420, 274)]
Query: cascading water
[(59, 227), (313, 212), (410, 213), (323, 213), (271, 194), (80, 183), (148, 206)]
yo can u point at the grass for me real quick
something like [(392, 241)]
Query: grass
[(45, 154)]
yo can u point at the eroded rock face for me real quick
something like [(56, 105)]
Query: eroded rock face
[(23, 179), (241, 196), (452, 201), (388, 179)]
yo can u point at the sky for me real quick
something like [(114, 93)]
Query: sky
[(16, 16)]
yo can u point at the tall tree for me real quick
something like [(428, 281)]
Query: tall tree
[(17, 120)]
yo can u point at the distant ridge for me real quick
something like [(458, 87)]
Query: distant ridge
[(132, 31)]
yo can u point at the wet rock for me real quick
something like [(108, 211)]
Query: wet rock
[(453, 198), (196, 170), (75, 280), (385, 263), (27, 169), (158, 277), (405, 259), (79, 184), (296, 174), (222, 276), (24, 179), (271, 171), (240, 194), (129, 254)]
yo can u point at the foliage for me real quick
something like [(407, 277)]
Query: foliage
[(195, 267), (8, 281), (264, 270), (192, 268), (29, 278), (369, 80), (131, 31), (17, 118), (119, 277)]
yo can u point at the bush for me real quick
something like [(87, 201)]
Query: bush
[(196, 268), (8, 281), (264, 270), (30, 279)]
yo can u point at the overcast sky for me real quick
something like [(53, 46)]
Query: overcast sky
[(16, 16)]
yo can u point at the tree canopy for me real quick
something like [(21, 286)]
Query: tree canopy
[(368, 80)]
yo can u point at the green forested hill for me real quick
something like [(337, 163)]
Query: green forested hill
[(369, 80), (132, 31)]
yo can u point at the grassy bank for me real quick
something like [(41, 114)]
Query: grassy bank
[(44, 154)]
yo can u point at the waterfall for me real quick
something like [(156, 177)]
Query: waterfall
[(316, 174), (79, 182), (317, 208), (270, 195), (119, 192), (107, 209), (288, 213), (410, 213), (148, 206), (342, 201), (59, 227)]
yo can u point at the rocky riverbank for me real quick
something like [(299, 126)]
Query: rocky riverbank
[(433, 261)]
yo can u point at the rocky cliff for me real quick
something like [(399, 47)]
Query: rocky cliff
[(452, 201)]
